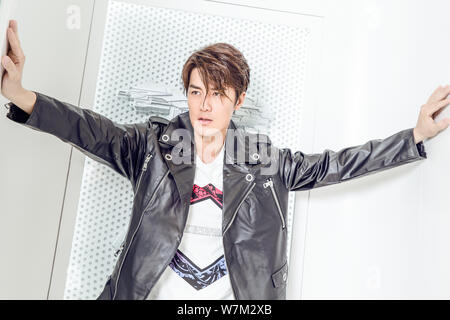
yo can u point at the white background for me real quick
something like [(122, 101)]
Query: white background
[(383, 236)]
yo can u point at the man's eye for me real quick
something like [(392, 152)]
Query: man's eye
[(194, 92), (217, 93)]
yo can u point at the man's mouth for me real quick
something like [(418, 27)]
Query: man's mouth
[(204, 121)]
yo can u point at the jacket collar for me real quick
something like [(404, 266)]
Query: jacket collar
[(237, 151), (239, 160)]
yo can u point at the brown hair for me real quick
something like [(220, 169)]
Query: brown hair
[(219, 63)]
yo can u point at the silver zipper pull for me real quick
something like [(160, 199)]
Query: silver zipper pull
[(147, 159), (118, 251), (268, 183)]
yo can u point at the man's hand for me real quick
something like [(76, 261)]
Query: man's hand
[(13, 63), (426, 127)]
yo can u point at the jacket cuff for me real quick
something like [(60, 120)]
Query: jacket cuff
[(417, 149), (18, 115), (421, 149)]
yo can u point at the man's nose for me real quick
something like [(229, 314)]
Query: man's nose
[(206, 106)]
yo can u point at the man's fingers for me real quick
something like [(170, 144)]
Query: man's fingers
[(15, 45), (433, 107), (13, 25), (434, 115), (440, 93)]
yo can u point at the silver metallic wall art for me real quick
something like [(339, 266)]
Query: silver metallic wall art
[(152, 99)]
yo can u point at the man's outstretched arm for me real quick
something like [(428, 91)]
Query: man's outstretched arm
[(119, 146), (299, 171)]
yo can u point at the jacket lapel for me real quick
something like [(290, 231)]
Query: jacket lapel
[(173, 151), (238, 173), (238, 176)]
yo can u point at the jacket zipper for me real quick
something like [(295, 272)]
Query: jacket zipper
[(223, 243), (144, 168), (269, 183), (168, 261), (137, 228), (234, 214), (135, 231)]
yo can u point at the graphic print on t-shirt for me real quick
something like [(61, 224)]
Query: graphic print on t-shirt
[(205, 193), (197, 277)]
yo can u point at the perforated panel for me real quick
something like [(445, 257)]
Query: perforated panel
[(144, 44)]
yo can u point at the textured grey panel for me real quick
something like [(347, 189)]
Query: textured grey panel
[(142, 44)]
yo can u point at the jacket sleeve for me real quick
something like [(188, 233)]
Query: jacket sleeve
[(119, 146), (301, 171)]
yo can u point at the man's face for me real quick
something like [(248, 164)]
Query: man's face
[(210, 114)]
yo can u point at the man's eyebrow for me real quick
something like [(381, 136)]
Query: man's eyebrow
[(194, 86), (197, 87)]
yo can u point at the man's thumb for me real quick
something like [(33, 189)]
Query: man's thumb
[(9, 65), (443, 124)]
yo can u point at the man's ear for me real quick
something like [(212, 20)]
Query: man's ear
[(240, 101)]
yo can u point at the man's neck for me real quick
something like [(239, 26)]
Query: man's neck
[(208, 148)]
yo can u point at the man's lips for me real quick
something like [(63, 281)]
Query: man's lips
[(204, 121)]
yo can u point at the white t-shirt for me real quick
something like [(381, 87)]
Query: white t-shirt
[(198, 269)]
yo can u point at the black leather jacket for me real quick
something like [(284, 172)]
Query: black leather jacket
[(254, 208)]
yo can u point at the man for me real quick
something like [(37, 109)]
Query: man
[(209, 212)]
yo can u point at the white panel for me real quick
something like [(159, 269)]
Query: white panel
[(147, 43), (383, 236), (34, 166)]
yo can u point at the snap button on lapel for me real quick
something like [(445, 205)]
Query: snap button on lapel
[(165, 138), (284, 276), (249, 177), (255, 156), (168, 156)]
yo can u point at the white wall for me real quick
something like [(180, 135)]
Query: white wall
[(34, 166), (382, 236)]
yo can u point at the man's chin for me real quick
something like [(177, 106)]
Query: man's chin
[(207, 132)]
